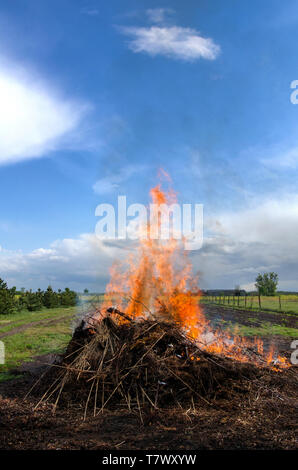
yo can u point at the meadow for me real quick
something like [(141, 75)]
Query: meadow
[(30, 334)]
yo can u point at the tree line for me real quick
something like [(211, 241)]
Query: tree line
[(12, 301), (266, 285)]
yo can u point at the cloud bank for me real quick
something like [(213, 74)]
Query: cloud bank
[(74, 262), (237, 246)]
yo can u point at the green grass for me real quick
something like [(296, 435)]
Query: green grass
[(265, 329), (36, 339), (8, 322)]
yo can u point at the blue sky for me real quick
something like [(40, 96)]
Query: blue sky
[(96, 96)]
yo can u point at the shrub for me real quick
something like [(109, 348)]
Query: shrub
[(7, 299), (50, 298), (32, 301), (69, 298)]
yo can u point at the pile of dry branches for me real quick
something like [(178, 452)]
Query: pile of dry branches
[(141, 364)]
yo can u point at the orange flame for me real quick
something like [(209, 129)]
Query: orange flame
[(158, 280)]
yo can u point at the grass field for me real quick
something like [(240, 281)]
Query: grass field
[(283, 303), (265, 329), (29, 334)]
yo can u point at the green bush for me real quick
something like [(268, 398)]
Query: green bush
[(7, 299), (32, 301), (12, 301), (50, 298), (69, 298)]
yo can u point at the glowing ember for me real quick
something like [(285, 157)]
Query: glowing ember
[(158, 280)]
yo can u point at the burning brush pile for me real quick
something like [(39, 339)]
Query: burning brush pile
[(154, 348), (141, 364), (145, 365)]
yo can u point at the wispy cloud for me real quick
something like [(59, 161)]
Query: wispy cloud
[(287, 159), (90, 11), (112, 182), (158, 15), (34, 120), (174, 42)]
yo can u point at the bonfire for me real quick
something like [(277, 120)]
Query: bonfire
[(149, 345)]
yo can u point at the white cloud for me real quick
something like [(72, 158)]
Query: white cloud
[(158, 15), (175, 42), (33, 119)]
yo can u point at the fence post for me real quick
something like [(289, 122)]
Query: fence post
[(259, 302), (279, 303), (238, 297)]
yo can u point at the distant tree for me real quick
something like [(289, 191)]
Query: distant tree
[(237, 290), (33, 301), (86, 291), (7, 299), (50, 298), (69, 298), (267, 283), (40, 295)]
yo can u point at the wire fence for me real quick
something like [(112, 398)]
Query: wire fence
[(278, 303)]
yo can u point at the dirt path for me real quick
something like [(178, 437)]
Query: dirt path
[(19, 329)]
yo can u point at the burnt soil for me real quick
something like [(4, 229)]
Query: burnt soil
[(242, 417)]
